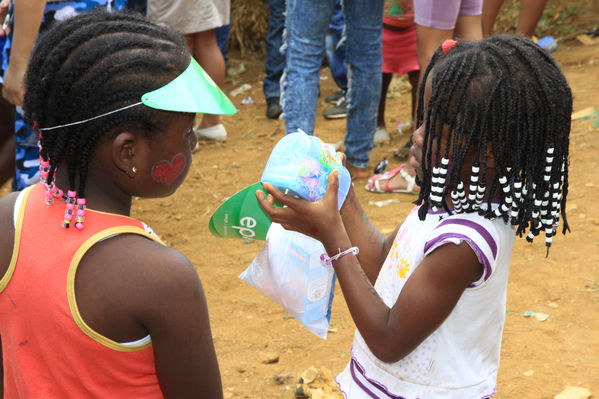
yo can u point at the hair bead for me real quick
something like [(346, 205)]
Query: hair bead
[(80, 213), (70, 205), (72, 73)]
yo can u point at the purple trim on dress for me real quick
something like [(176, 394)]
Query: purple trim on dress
[(339, 385), (360, 384), (479, 253), (354, 364), (491, 395), (480, 229)]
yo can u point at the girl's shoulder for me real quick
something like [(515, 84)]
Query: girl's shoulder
[(135, 271), (135, 252)]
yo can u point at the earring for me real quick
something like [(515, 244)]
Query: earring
[(132, 172)]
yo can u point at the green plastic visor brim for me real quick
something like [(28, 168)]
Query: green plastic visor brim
[(192, 91)]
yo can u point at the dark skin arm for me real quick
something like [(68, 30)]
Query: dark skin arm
[(374, 247), (128, 286), (428, 297), (6, 246)]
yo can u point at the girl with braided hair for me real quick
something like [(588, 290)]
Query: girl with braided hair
[(92, 303), (491, 152)]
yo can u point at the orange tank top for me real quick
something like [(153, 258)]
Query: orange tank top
[(48, 350)]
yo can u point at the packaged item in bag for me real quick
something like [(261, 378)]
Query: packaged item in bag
[(289, 270), (300, 164)]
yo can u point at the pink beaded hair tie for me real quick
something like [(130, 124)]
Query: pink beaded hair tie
[(75, 207)]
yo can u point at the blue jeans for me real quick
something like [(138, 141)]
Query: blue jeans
[(335, 49), (222, 39), (307, 23), (275, 60), (137, 5)]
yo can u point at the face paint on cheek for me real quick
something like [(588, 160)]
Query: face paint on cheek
[(166, 172)]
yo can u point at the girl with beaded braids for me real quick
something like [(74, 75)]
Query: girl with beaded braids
[(491, 152), (92, 303)]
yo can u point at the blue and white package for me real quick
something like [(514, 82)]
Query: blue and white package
[(288, 269), (300, 165)]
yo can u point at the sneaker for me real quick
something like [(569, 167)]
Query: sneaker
[(214, 133), (273, 108), (381, 136), (338, 111), (333, 98)]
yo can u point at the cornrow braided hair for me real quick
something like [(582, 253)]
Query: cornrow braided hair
[(502, 100), (88, 65)]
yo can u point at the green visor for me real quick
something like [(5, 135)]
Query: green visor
[(192, 91)]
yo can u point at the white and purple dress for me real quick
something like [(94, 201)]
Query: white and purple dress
[(460, 359)]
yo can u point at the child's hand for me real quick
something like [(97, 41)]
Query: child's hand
[(320, 219), (4, 29)]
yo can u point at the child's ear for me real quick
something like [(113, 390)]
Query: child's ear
[(124, 149)]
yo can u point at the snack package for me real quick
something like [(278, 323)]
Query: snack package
[(300, 165), (288, 269)]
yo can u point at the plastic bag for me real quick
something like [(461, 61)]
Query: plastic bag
[(288, 269), (301, 164)]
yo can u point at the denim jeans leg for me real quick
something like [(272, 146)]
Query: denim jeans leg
[(275, 60), (306, 26), (222, 39), (335, 48), (363, 51)]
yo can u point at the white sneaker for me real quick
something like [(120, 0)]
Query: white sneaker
[(381, 136), (214, 133)]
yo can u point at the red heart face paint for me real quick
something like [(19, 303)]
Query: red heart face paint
[(166, 172)]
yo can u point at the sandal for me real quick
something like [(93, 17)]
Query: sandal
[(374, 183)]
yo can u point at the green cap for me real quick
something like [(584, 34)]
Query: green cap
[(241, 216), (192, 91)]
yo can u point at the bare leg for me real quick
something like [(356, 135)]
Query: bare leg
[(205, 49), (413, 78), (428, 39), (490, 10), (380, 119), (7, 141), (468, 27), (530, 14)]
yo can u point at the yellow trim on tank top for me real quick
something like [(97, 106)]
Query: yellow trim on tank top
[(87, 330), (17, 240)]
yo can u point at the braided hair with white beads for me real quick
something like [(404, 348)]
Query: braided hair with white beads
[(501, 108)]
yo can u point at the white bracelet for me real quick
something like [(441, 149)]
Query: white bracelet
[(329, 260)]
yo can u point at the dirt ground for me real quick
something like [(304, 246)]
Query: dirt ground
[(539, 358)]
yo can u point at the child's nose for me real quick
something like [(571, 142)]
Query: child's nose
[(418, 136)]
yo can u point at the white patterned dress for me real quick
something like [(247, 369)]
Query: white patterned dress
[(460, 359)]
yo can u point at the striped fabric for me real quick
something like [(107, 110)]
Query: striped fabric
[(476, 232)]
